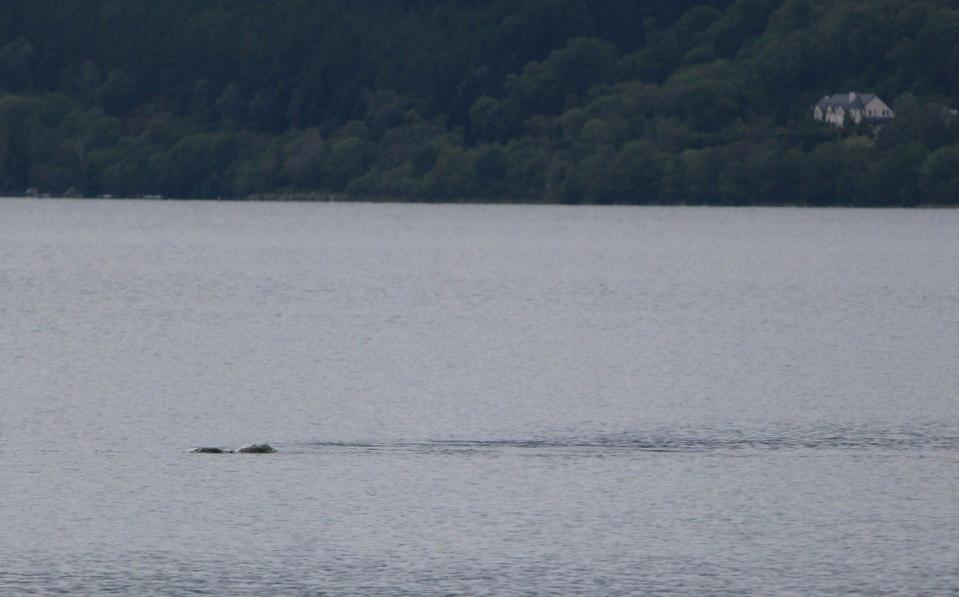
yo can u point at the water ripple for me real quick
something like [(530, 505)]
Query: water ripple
[(735, 441)]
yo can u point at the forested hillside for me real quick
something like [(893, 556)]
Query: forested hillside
[(574, 101)]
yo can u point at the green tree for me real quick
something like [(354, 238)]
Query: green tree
[(486, 119), (347, 160), (939, 176), (894, 175), (637, 172), (17, 60), (305, 165), (118, 94)]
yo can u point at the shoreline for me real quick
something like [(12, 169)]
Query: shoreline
[(320, 197)]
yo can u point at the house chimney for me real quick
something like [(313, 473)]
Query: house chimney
[(852, 96)]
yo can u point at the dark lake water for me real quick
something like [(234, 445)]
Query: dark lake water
[(477, 399)]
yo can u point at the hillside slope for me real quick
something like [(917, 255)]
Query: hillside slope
[(577, 101)]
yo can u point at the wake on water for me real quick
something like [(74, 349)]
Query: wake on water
[(736, 442)]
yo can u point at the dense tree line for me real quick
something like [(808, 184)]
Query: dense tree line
[(578, 101)]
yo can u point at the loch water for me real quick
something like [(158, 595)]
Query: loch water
[(477, 399)]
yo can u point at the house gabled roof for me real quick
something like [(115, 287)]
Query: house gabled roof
[(841, 100)]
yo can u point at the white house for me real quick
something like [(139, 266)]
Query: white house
[(852, 107)]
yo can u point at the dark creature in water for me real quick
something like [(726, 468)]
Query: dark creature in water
[(251, 449)]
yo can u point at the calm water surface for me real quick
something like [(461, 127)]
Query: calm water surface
[(477, 399)]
